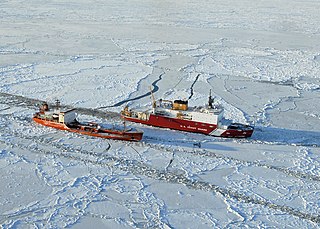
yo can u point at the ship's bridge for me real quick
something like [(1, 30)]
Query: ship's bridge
[(167, 104), (216, 110), (207, 114)]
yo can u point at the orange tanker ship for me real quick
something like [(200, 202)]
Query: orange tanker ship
[(67, 121)]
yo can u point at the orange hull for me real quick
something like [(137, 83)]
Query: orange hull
[(93, 131)]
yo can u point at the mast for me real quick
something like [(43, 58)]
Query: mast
[(153, 99), (211, 100), (57, 104), (57, 108), (124, 125)]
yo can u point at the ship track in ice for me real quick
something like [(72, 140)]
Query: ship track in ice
[(155, 144), (192, 85), (140, 168), (155, 89), (21, 101)]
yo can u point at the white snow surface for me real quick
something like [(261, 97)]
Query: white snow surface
[(261, 59)]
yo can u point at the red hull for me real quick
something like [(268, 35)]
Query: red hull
[(175, 123), (102, 133), (237, 133), (191, 126)]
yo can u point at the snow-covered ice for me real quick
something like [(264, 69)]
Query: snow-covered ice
[(260, 59)]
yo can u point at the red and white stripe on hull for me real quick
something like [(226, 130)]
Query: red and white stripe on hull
[(192, 126), (175, 123)]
